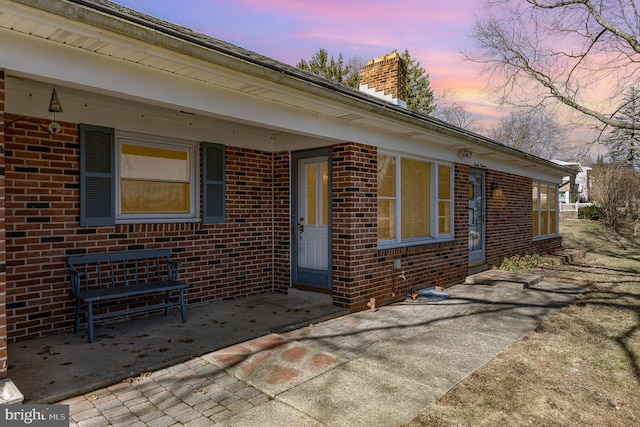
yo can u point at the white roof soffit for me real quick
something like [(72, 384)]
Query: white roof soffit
[(105, 28)]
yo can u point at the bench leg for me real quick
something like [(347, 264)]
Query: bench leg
[(183, 312), (90, 321), (76, 326), (167, 299)]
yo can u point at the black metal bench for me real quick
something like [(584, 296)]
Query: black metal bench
[(99, 277)]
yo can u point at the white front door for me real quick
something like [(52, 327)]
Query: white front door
[(311, 220)]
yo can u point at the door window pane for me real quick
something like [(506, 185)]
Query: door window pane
[(325, 193), (535, 202), (310, 171)]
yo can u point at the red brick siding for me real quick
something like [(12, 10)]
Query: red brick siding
[(546, 246), (508, 216), (461, 189), (282, 221), (3, 243), (220, 260), (439, 264), (250, 252), (361, 271), (509, 219), (356, 276), (386, 74)]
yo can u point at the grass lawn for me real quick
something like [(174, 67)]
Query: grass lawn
[(581, 366)]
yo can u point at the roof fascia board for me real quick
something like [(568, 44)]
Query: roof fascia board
[(142, 84)]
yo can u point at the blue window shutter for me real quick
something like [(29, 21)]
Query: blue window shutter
[(97, 176), (213, 183)]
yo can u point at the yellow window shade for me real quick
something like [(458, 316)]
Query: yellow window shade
[(149, 197)]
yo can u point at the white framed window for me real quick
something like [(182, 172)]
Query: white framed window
[(143, 179), (415, 200), (156, 179), (544, 197)]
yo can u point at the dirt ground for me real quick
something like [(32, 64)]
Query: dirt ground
[(581, 366)]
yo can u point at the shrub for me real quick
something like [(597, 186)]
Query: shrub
[(520, 262), (615, 188), (589, 212)]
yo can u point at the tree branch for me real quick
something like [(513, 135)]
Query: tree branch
[(514, 46)]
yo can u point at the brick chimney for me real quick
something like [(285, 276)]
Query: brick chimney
[(386, 78)]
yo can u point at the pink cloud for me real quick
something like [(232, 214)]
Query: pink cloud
[(287, 30), (404, 23), (399, 12)]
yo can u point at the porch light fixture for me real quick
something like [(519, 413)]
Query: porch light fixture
[(496, 190), (465, 154), (54, 107), (54, 104)]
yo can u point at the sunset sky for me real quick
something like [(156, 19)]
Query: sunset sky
[(435, 33)]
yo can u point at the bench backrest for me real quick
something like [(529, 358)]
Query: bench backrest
[(119, 268)]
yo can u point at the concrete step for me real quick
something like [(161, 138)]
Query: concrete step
[(507, 279), (516, 280), (566, 256), (478, 268)]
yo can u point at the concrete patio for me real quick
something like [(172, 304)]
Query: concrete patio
[(235, 365), (58, 366)]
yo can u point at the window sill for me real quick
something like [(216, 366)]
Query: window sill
[(548, 236), (422, 242), (159, 221)]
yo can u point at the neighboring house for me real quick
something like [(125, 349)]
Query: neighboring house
[(574, 188), (257, 175)]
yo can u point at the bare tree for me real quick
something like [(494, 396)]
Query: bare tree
[(455, 114), (582, 53), (534, 131), (624, 144), (616, 190)]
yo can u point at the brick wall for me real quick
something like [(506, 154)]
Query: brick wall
[(508, 216), (361, 271), (546, 246), (439, 264), (220, 260), (282, 221), (354, 237), (3, 243), (250, 252), (509, 219), (387, 74)]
